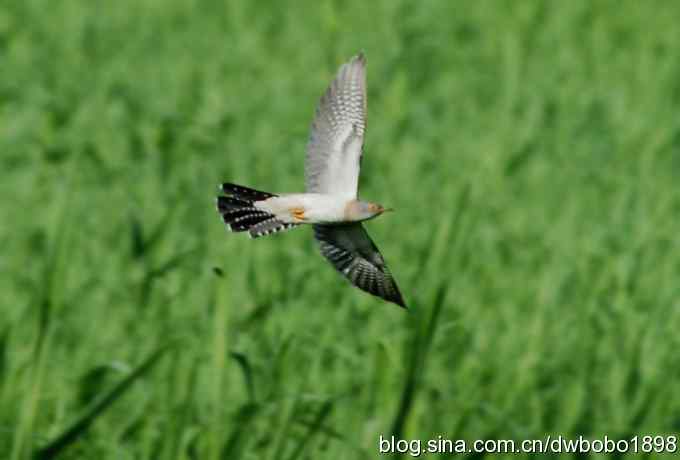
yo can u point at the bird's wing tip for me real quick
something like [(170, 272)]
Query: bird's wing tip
[(401, 303)]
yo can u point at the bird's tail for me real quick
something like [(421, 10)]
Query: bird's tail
[(240, 213)]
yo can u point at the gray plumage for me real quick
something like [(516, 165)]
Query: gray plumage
[(332, 166), (330, 204), (352, 252), (337, 133)]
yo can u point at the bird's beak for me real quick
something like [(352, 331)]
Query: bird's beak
[(388, 210)]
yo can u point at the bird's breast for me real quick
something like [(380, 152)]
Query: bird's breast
[(326, 209)]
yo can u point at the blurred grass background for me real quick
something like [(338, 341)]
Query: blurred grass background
[(532, 150)]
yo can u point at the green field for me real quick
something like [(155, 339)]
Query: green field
[(531, 150)]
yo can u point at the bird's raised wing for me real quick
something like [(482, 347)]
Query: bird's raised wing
[(337, 134), (352, 252)]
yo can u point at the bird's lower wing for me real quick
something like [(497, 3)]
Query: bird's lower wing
[(352, 252)]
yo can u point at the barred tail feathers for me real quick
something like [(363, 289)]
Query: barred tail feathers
[(245, 193), (240, 214)]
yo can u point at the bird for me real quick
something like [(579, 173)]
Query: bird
[(330, 203)]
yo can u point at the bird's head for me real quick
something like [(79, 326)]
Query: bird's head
[(367, 210)]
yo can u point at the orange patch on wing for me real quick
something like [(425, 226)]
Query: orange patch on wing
[(298, 214)]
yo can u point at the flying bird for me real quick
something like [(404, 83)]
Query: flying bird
[(330, 203)]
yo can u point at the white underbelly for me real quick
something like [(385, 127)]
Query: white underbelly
[(317, 208)]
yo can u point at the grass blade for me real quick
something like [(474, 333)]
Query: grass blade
[(234, 445), (247, 370), (3, 353), (421, 344), (315, 427), (69, 436)]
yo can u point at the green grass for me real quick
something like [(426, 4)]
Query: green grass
[(531, 149)]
